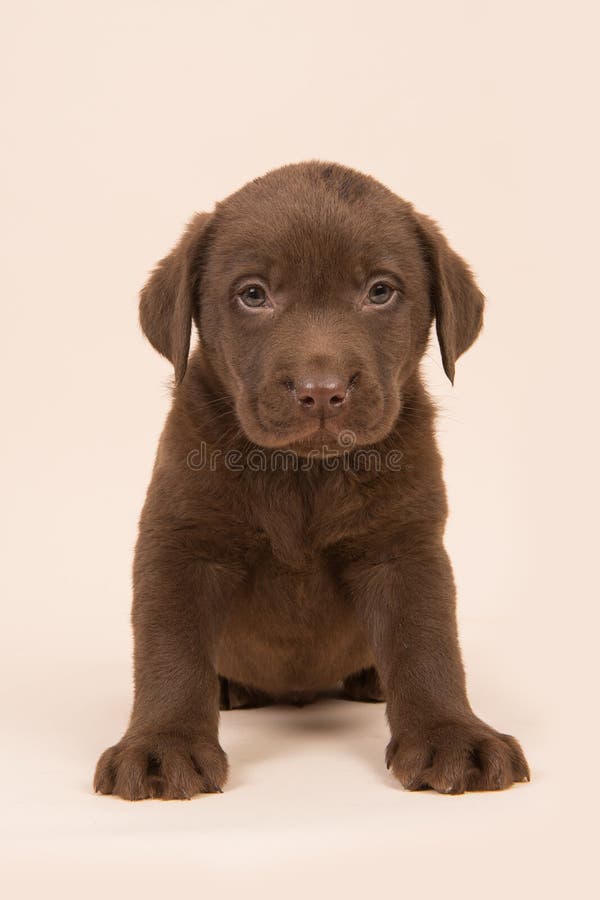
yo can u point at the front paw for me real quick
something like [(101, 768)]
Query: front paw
[(456, 756), (166, 765)]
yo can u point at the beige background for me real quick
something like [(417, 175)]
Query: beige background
[(119, 120)]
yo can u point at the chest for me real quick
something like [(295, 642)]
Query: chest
[(298, 521)]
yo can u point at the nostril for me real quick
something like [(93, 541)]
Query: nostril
[(322, 395)]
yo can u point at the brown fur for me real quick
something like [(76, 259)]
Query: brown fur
[(256, 583)]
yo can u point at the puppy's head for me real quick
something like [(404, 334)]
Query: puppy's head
[(313, 289)]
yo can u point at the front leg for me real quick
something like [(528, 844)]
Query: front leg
[(406, 598), (171, 747)]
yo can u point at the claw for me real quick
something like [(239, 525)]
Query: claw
[(213, 789)]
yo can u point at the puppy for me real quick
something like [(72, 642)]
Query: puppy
[(292, 535)]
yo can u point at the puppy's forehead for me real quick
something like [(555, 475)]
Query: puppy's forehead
[(311, 219)]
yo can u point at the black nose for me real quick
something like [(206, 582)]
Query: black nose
[(321, 395)]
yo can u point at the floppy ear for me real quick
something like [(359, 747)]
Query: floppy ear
[(167, 299), (457, 301)]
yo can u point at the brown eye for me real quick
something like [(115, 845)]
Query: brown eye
[(380, 293), (253, 295)]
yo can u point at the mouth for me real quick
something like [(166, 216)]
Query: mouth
[(323, 436)]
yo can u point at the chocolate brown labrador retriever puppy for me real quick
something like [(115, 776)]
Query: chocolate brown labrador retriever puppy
[(291, 539)]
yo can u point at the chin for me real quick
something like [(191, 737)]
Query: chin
[(323, 443), (304, 442)]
